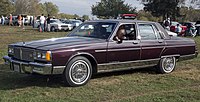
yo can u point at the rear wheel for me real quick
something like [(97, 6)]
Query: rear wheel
[(167, 65), (53, 29), (78, 72)]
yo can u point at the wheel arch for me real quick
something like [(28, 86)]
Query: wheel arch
[(89, 56), (170, 52)]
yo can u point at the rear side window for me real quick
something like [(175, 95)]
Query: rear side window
[(147, 32)]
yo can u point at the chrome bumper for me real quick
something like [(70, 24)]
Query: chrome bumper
[(32, 67), (188, 57)]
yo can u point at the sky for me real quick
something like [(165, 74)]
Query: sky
[(83, 7)]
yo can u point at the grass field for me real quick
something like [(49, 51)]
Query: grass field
[(141, 85)]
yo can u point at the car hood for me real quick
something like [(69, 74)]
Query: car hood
[(57, 43)]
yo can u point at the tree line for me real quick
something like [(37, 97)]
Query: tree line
[(33, 7), (154, 10)]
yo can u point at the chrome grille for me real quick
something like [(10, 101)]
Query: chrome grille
[(25, 54), (17, 54)]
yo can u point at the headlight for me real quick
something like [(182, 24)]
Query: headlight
[(10, 50), (39, 55), (43, 55)]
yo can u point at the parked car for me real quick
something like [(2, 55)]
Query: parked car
[(69, 23), (191, 29), (76, 23), (173, 27), (197, 25), (36, 22), (56, 25), (99, 46), (6, 22), (15, 20), (171, 33)]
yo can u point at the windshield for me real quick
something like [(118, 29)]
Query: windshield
[(100, 30)]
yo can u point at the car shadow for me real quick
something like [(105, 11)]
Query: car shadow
[(10, 80)]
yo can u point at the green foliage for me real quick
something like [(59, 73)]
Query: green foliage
[(164, 8), (187, 12), (147, 16), (85, 17), (67, 16), (51, 8), (6, 7), (27, 7), (111, 8)]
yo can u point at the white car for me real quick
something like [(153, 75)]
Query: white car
[(76, 23), (171, 33), (56, 25), (69, 23)]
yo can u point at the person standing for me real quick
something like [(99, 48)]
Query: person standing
[(20, 20), (23, 21), (10, 21), (3, 20), (167, 23), (178, 29), (48, 23), (42, 21)]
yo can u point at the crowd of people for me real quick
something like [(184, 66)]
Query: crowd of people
[(20, 20), (190, 30), (44, 23)]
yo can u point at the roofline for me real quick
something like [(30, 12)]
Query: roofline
[(120, 21)]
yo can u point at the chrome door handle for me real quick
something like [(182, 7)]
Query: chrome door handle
[(135, 42)]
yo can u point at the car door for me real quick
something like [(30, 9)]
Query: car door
[(152, 43), (126, 51)]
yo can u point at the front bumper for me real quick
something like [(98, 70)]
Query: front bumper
[(32, 67), (63, 28)]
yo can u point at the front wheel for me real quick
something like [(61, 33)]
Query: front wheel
[(167, 65), (78, 72)]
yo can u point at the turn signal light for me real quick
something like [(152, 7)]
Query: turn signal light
[(48, 56)]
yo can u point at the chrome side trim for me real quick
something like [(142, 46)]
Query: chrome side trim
[(100, 51), (160, 47), (128, 62), (181, 46), (126, 65), (126, 49), (123, 69), (170, 56), (58, 69)]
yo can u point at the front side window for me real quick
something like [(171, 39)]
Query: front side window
[(147, 32), (126, 32), (100, 30)]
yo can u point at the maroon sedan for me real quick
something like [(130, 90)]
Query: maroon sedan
[(99, 46)]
